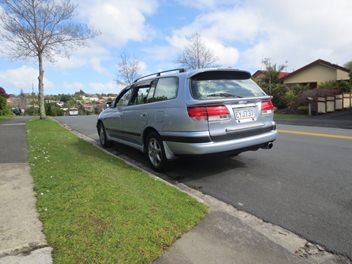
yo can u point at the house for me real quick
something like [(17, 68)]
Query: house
[(18, 101), (315, 73), (90, 98), (88, 107)]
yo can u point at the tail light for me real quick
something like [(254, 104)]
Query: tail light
[(210, 113), (267, 107)]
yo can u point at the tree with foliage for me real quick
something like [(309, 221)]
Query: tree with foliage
[(271, 83), (271, 73), (3, 93), (4, 110), (196, 55), (129, 68), (41, 29), (348, 65)]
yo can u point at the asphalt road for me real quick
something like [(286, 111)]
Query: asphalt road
[(303, 184)]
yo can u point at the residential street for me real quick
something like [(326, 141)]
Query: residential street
[(303, 184)]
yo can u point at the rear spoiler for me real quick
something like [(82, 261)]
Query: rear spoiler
[(232, 101), (221, 74)]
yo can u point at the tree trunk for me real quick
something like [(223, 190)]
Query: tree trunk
[(41, 87)]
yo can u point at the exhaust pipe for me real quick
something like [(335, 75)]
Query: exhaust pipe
[(268, 145)]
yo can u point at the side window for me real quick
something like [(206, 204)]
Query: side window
[(166, 89), (151, 94), (140, 96), (125, 98)]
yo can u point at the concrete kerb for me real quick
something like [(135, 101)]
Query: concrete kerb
[(293, 243)]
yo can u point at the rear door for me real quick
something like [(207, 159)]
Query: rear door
[(233, 103)]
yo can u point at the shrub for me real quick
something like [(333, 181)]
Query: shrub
[(278, 92), (4, 110), (32, 111), (53, 110), (314, 93), (303, 109), (291, 99), (339, 86)]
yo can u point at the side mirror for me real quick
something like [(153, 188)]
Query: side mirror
[(108, 104)]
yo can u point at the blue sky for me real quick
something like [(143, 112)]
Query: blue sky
[(240, 33)]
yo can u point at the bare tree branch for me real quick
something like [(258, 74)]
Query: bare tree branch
[(41, 29), (196, 55), (128, 68)]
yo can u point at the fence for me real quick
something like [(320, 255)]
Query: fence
[(330, 104)]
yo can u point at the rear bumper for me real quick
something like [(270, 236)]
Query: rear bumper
[(203, 148)]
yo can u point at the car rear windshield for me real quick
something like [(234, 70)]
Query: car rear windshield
[(227, 88)]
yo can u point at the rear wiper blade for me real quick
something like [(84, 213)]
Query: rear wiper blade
[(223, 95)]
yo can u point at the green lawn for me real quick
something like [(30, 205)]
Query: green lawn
[(288, 116), (97, 209)]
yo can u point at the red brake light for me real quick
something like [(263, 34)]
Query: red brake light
[(220, 110), (203, 112), (197, 112), (267, 107)]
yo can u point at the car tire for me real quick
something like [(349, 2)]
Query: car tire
[(104, 142), (155, 152)]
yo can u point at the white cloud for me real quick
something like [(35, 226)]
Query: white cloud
[(22, 78), (301, 31), (90, 55), (201, 4), (246, 31), (118, 20), (108, 87)]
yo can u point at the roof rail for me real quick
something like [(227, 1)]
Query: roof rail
[(158, 73)]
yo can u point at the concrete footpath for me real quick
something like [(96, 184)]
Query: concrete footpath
[(21, 238), (227, 235)]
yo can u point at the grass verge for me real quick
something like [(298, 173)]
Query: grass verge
[(3, 118), (97, 209), (288, 116)]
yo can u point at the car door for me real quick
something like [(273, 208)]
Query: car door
[(135, 115), (113, 121)]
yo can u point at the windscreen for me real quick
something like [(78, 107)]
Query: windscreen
[(224, 89)]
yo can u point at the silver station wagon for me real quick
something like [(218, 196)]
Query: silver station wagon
[(177, 113)]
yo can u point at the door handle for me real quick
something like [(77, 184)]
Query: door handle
[(143, 115)]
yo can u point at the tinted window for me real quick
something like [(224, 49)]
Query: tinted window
[(219, 89), (166, 89), (150, 94), (125, 98), (141, 95)]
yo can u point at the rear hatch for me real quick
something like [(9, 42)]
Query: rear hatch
[(233, 105)]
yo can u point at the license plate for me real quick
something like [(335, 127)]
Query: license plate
[(244, 113)]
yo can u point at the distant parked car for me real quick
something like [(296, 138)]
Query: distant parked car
[(176, 113), (16, 110), (73, 111)]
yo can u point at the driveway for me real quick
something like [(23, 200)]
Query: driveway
[(303, 184)]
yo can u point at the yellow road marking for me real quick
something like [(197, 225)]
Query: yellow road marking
[(313, 134)]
